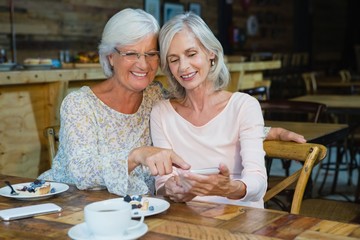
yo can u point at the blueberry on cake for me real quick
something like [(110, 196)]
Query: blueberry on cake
[(138, 202), (36, 188)]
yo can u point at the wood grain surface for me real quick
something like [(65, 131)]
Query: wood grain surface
[(193, 220)]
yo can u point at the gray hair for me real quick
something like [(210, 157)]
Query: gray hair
[(125, 28), (219, 74)]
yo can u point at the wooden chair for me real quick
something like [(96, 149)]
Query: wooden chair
[(261, 92), (286, 110), (235, 77), (345, 75), (331, 210), (52, 138), (310, 82), (234, 58), (163, 80), (309, 154), (357, 56)]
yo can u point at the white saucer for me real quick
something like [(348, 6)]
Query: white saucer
[(81, 232)]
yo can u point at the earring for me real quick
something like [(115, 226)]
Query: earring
[(212, 62)]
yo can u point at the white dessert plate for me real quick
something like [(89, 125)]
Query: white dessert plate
[(59, 188), (6, 66), (81, 232), (37, 66), (159, 205)]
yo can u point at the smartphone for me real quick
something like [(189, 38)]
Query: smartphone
[(205, 171), (29, 211)]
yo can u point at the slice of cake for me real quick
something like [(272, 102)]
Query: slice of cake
[(36, 188), (138, 202)]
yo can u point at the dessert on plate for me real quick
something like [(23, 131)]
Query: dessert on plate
[(138, 202), (36, 188)]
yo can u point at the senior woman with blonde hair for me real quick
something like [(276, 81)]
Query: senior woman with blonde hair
[(204, 124), (104, 134)]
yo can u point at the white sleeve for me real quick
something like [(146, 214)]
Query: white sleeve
[(251, 141)]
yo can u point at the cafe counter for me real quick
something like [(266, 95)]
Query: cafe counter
[(29, 102)]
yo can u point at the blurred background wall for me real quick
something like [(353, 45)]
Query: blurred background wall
[(326, 29)]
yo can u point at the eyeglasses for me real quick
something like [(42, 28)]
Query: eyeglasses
[(134, 56)]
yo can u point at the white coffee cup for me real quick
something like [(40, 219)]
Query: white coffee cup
[(106, 219)]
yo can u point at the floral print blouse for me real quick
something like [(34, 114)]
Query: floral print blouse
[(95, 141)]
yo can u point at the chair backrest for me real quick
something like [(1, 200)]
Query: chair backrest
[(234, 58), (310, 82), (287, 110), (345, 75), (235, 77), (52, 138), (357, 55), (261, 92), (309, 154), (163, 80)]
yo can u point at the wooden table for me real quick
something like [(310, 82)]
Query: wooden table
[(194, 220), (343, 104), (338, 86), (345, 107), (322, 133), (247, 74)]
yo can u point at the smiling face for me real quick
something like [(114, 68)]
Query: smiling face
[(188, 61), (135, 75)]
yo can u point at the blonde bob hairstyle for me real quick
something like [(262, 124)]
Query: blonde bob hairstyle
[(219, 74), (126, 27)]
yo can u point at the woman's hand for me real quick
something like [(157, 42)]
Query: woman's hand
[(174, 190), (212, 185), (284, 135), (158, 160)]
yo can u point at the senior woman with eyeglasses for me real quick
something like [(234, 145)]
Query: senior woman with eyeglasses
[(104, 134)]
